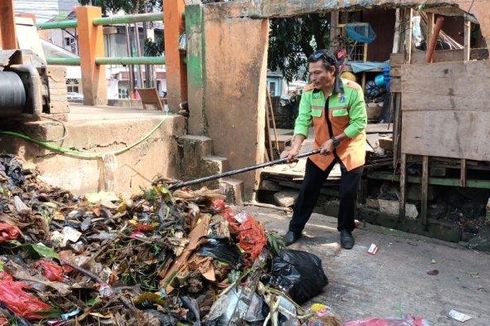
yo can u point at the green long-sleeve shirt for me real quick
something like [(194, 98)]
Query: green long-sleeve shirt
[(312, 103)]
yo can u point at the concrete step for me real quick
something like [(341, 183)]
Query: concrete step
[(214, 164), (196, 146), (233, 190)]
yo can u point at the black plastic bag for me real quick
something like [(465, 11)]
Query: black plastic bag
[(222, 250), (13, 169), (299, 273)]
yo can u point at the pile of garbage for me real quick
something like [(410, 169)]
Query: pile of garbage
[(159, 258)]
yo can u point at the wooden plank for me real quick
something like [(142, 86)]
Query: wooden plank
[(8, 38), (395, 71), (28, 37), (446, 86), (396, 36), (467, 40), (450, 55), (273, 119), (397, 59), (403, 170), (395, 85), (149, 96), (397, 129), (409, 36), (268, 134), (456, 134), (463, 173), (446, 182), (334, 25), (430, 26), (424, 189)]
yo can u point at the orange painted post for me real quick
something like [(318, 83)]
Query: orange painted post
[(173, 18), (91, 45), (8, 39)]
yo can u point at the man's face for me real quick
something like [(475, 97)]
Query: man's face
[(320, 77)]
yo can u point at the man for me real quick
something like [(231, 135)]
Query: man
[(336, 109)]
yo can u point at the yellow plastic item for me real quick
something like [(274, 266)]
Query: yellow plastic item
[(348, 75)]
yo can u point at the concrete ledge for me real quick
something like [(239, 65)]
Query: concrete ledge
[(102, 131), (125, 103)]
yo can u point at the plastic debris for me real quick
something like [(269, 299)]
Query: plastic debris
[(373, 249), (51, 270), (299, 273), (459, 316), (252, 238), (323, 316), (8, 232), (222, 250), (405, 321), (160, 257), (20, 302)]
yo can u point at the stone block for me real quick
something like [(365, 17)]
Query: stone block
[(285, 198), (233, 190), (269, 185), (386, 143), (392, 207)]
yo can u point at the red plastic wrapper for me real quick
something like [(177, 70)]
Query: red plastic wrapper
[(51, 270), (406, 321), (8, 232), (21, 303), (225, 211), (4, 321), (252, 238)]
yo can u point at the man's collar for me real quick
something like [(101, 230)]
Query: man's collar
[(337, 88)]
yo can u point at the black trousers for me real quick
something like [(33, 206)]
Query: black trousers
[(310, 191)]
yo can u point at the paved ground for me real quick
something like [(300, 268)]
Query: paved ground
[(394, 281)]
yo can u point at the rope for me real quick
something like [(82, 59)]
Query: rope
[(75, 152)]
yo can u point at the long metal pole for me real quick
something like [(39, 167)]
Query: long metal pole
[(138, 51), (238, 171), (130, 67), (128, 19)]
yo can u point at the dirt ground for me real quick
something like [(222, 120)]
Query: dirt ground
[(395, 281)]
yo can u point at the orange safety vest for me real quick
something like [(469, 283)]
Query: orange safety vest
[(351, 151)]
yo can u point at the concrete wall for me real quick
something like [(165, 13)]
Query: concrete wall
[(235, 88), (125, 173), (232, 39)]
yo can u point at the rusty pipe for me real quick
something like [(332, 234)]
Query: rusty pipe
[(433, 39)]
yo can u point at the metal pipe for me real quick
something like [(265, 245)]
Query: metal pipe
[(109, 61), (130, 61), (63, 61), (128, 19), (130, 67), (59, 24), (238, 171), (35, 91), (141, 80), (105, 21), (433, 39)]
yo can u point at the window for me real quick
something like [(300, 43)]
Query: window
[(72, 86), (272, 88), (69, 41), (123, 93)]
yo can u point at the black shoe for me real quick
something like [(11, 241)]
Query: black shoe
[(291, 237), (346, 239)]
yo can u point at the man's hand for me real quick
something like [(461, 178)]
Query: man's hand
[(290, 153), (327, 147)]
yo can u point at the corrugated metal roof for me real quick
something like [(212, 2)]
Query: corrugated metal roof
[(45, 9)]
